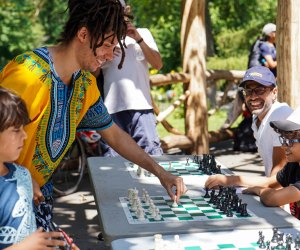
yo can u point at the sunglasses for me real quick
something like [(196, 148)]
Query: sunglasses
[(258, 91), (288, 142)]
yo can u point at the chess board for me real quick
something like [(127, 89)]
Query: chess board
[(228, 246), (178, 168), (189, 209), (229, 240), (241, 246)]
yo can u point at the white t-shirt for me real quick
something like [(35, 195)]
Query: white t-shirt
[(266, 137), (129, 88)]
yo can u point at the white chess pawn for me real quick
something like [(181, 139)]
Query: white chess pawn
[(175, 203), (134, 205), (135, 192), (147, 199), (158, 215), (170, 165), (140, 214), (178, 243), (130, 192), (158, 242), (153, 211)]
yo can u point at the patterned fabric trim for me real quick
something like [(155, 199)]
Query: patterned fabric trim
[(96, 113)]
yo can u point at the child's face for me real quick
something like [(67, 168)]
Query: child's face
[(11, 143), (292, 152)]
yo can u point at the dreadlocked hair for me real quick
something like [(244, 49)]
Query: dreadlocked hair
[(13, 111), (100, 17)]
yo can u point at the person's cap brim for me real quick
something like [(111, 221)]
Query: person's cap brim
[(285, 125), (260, 81)]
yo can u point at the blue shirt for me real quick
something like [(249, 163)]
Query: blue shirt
[(17, 220)]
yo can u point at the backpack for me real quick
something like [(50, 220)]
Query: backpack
[(255, 58)]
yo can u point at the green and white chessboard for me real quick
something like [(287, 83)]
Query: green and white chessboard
[(178, 168), (241, 246), (189, 209)]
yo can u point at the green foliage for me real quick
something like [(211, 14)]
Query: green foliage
[(229, 63), (53, 17), (236, 24), (19, 28), (163, 19), (27, 24)]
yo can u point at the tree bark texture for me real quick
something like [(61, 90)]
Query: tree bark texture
[(193, 48), (288, 51)]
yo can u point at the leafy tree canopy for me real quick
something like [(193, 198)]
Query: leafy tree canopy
[(27, 24)]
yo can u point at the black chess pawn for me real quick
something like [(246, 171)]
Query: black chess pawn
[(187, 161), (218, 171), (244, 212), (262, 244), (206, 193), (260, 234), (280, 245), (288, 242), (297, 242), (229, 212), (212, 196), (275, 235), (268, 243), (239, 206)]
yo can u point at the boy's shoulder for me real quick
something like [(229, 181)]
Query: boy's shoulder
[(15, 168)]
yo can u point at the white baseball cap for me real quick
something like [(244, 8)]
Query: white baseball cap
[(268, 28), (291, 123)]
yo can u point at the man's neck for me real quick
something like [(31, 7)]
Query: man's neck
[(64, 62)]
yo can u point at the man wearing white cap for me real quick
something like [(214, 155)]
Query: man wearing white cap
[(284, 187)]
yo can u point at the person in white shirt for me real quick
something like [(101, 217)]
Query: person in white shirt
[(126, 91), (260, 92)]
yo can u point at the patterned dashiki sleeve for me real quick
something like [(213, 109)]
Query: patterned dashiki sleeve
[(96, 118)]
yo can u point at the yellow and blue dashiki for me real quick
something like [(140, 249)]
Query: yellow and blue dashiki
[(56, 110)]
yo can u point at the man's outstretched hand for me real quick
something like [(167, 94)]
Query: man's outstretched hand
[(169, 181)]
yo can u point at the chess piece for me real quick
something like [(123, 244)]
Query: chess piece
[(229, 212), (288, 242), (178, 243), (275, 235), (260, 233), (140, 214), (244, 211), (187, 161), (158, 242), (206, 193), (158, 215), (297, 242), (262, 244), (175, 203), (212, 196), (170, 166)]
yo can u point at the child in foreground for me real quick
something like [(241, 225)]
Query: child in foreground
[(282, 188), (17, 220)]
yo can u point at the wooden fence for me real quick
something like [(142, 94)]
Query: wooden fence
[(177, 139)]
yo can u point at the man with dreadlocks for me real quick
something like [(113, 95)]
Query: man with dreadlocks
[(62, 97)]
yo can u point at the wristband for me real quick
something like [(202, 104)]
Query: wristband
[(139, 41)]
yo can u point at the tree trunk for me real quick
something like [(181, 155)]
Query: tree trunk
[(288, 51), (193, 47)]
